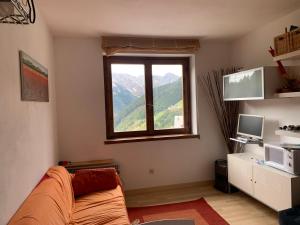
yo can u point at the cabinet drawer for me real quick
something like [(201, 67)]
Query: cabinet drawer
[(272, 188), (240, 173)]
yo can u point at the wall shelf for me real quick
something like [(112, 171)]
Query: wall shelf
[(287, 133), (288, 95), (287, 56)]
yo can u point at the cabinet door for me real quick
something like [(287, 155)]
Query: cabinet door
[(271, 187), (240, 173)]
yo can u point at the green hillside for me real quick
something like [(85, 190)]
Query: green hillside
[(134, 121), (167, 104), (121, 98), (135, 105), (165, 119), (167, 95)]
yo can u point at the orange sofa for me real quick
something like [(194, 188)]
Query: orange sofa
[(52, 202)]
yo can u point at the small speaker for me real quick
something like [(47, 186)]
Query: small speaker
[(221, 177)]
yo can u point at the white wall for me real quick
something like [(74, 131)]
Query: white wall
[(28, 137), (81, 121), (251, 51)]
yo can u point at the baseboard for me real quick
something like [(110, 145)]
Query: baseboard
[(168, 187)]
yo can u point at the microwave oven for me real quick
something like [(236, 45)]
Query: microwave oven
[(286, 159)]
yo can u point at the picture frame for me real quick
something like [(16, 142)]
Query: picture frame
[(34, 79)]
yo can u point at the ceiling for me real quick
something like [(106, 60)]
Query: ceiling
[(179, 18)]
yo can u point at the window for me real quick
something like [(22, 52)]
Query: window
[(147, 96)]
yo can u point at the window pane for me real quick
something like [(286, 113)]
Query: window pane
[(168, 96), (129, 105)]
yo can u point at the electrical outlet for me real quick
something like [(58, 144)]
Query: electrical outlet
[(151, 171)]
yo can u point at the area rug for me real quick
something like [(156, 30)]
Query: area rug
[(199, 210)]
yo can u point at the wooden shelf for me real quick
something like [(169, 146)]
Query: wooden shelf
[(288, 56), (287, 133), (288, 95)]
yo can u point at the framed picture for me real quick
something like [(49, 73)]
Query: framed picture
[(34, 79)]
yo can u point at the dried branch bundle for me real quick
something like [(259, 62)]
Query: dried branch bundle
[(226, 111)]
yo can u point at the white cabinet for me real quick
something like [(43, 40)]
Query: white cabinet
[(271, 188), (275, 188), (241, 178), (254, 84)]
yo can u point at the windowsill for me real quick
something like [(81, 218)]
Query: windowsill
[(151, 138)]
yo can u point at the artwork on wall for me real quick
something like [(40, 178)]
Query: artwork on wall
[(34, 79)]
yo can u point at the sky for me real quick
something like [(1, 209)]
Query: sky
[(138, 69)]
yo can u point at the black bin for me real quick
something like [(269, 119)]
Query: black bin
[(221, 177)]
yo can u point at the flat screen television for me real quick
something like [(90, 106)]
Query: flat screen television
[(251, 126), (245, 85)]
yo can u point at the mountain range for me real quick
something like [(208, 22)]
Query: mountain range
[(129, 101), (136, 84)]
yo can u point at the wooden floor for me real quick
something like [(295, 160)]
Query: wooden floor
[(236, 209)]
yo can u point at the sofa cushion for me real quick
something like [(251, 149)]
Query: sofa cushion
[(92, 180), (51, 202), (107, 207)]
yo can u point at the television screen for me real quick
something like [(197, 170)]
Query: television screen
[(245, 85), (251, 126)]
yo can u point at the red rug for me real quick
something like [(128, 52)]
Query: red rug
[(199, 211)]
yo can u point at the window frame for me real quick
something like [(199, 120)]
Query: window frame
[(147, 62)]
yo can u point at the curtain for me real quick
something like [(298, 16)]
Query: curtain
[(113, 45)]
